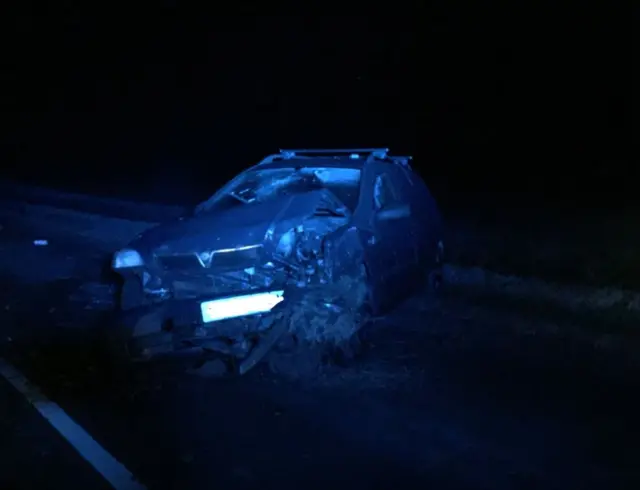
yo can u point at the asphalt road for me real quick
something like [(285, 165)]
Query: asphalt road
[(451, 394)]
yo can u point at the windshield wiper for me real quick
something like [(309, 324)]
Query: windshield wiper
[(329, 212)]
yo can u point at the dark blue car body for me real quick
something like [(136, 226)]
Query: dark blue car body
[(298, 220)]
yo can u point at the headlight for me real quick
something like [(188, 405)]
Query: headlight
[(126, 258)]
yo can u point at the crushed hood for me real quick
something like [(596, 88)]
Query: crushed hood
[(245, 224)]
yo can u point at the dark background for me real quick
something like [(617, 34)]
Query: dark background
[(504, 107)]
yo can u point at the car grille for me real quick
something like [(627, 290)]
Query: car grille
[(235, 259)]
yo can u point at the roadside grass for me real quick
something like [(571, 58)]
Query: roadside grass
[(613, 323), (584, 270), (600, 250)]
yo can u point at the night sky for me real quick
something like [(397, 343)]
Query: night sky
[(165, 103)]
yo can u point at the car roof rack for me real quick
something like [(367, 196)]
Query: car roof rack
[(369, 154), (354, 153)]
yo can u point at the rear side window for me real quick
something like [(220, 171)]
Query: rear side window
[(385, 192)]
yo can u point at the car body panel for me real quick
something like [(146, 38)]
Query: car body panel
[(391, 249)]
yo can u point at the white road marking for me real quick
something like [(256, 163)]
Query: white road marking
[(111, 470)]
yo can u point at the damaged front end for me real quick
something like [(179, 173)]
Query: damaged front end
[(302, 282)]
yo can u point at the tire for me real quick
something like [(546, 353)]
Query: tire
[(121, 334)]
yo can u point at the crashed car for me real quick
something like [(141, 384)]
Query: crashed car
[(288, 260)]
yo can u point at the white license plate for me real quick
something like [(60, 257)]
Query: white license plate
[(238, 306)]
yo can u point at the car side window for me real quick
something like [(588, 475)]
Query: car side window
[(385, 192)]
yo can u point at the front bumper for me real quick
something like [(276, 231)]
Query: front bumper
[(178, 327)]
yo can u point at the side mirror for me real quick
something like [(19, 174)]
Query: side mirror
[(393, 211)]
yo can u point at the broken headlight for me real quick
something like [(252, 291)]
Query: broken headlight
[(126, 258), (287, 243)]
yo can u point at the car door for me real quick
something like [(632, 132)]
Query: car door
[(392, 248), (427, 225)]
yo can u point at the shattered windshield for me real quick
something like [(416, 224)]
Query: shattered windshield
[(264, 184)]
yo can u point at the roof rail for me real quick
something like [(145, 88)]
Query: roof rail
[(352, 152), (270, 159), (403, 161)]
